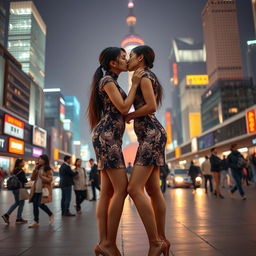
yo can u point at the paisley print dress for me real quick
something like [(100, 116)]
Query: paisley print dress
[(107, 135), (150, 133)]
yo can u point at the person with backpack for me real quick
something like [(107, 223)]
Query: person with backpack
[(80, 184), (16, 181), (236, 163)]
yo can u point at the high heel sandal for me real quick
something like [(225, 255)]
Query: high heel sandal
[(98, 251), (168, 245)]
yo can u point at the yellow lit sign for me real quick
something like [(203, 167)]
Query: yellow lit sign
[(177, 152), (197, 80), (56, 154), (194, 124), (168, 128)]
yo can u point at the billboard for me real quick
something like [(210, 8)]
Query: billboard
[(197, 80)]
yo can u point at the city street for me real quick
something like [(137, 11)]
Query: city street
[(197, 224)]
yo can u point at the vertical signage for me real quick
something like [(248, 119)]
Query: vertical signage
[(250, 120), (39, 137), (168, 128), (177, 152), (175, 74)]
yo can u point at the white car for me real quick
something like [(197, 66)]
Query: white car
[(180, 178)]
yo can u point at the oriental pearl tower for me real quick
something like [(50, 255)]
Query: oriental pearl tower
[(129, 42)]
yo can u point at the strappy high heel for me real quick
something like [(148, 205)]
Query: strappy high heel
[(162, 249), (168, 245), (98, 251)]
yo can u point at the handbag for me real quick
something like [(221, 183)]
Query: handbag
[(13, 182), (45, 192), (23, 194)]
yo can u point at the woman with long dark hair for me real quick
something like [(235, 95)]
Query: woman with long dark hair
[(41, 191), (80, 184), (151, 151), (107, 107), (20, 173)]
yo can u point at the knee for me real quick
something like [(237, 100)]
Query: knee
[(133, 191), (153, 190), (122, 192)]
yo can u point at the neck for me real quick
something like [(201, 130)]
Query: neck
[(116, 72)]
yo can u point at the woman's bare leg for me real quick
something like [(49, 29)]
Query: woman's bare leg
[(119, 181), (103, 204), (157, 201), (136, 186)]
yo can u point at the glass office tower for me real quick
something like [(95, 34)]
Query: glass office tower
[(26, 39)]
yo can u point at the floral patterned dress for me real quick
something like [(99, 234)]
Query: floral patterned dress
[(150, 133), (107, 135)]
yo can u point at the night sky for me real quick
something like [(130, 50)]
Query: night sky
[(77, 30)]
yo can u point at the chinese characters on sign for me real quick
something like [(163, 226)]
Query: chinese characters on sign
[(13, 127), (251, 124)]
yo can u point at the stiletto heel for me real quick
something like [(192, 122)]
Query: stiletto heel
[(98, 251), (168, 245)]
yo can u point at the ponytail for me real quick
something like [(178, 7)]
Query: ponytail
[(95, 106)]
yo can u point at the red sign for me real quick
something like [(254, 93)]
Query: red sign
[(13, 126), (251, 123)]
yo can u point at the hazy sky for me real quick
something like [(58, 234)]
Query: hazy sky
[(77, 30)]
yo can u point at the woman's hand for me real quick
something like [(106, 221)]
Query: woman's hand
[(128, 118), (137, 75)]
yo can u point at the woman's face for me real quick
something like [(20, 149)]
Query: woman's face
[(79, 163), (122, 62), (22, 164), (133, 62), (41, 161)]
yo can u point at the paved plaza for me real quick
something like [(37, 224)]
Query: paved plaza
[(197, 224)]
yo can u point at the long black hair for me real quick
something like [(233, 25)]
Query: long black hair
[(149, 58), (95, 107), (17, 164), (47, 166)]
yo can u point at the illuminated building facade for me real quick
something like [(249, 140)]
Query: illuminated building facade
[(27, 38), (222, 40), (2, 22), (186, 58), (251, 59), (254, 13)]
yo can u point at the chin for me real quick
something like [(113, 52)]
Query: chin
[(130, 69)]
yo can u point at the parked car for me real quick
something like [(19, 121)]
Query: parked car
[(180, 178)]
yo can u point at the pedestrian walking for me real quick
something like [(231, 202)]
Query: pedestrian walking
[(80, 184), (253, 168), (41, 190), (66, 183), (193, 172), (236, 162), (224, 176), (206, 171), (164, 172), (20, 174), (94, 179), (129, 170), (108, 103), (150, 154), (216, 170)]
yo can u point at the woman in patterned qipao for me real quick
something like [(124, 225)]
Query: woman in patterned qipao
[(151, 151), (107, 107)]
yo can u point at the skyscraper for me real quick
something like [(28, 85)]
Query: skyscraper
[(2, 22), (132, 39), (26, 39), (222, 40), (186, 58), (72, 112), (129, 42), (254, 13)]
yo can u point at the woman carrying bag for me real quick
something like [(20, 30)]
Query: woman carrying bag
[(19, 199), (41, 191)]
